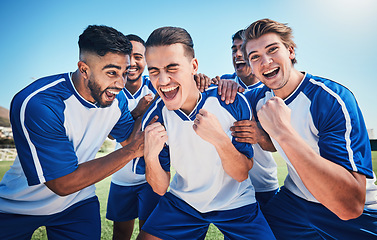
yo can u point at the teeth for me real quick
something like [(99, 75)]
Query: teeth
[(112, 92), (132, 70), (168, 89), (270, 71), (240, 61)]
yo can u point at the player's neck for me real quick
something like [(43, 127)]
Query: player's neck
[(133, 86), (249, 80), (80, 86), (295, 78), (191, 102)]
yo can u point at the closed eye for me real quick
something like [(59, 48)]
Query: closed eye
[(153, 72), (172, 69)]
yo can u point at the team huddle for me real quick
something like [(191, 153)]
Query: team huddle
[(217, 134)]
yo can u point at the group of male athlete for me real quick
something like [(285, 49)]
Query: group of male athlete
[(218, 138)]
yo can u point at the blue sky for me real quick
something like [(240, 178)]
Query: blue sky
[(335, 38)]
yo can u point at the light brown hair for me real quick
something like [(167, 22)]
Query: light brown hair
[(264, 26)]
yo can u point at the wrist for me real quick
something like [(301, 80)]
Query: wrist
[(135, 114), (284, 135), (222, 142)]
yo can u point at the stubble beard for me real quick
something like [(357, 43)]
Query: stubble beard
[(136, 79), (96, 93)]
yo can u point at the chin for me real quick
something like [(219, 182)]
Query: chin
[(106, 104), (241, 72), (171, 108), (132, 79), (172, 105)]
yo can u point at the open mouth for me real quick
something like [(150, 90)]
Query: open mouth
[(240, 64), (271, 73), (169, 92), (111, 94)]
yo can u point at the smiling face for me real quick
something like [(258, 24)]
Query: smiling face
[(271, 62), (104, 77), (137, 61), (171, 72), (239, 64)]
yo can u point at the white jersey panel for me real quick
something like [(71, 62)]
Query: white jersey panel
[(205, 164), (34, 200), (88, 135), (125, 176), (200, 179), (310, 135), (371, 195)]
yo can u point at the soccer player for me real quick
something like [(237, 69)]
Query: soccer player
[(318, 128), (59, 123), (211, 183), (130, 194), (264, 172)]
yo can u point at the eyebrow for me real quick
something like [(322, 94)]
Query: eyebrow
[(172, 65), (111, 66), (269, 45), (168, 66)]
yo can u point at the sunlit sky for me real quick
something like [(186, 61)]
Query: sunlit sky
[(335, 38)]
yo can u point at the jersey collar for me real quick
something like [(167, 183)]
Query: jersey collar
[(83, 101), (299, 88), (192, 115)]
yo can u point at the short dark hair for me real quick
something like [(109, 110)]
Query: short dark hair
[(136, 38), (166, 36), (238, 35), (264, 26), (102, 39)]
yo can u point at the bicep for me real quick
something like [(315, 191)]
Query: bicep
[(343, 138)]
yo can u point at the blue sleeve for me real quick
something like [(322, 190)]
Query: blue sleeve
[(44, 150), (229, 76), (149, 84), (123, 128), (252, 97), (164, 156), (240, 110), (343, 136), (139, 164)]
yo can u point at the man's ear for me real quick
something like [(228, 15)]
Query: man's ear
[(195, 65), (292, 53), (84, 69)]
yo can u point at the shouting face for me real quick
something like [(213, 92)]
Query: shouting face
[(270, 60), (104, 76), (171, 72)]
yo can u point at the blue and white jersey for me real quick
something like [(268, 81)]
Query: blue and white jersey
[(200, 179), (125, 176), (145, 88), (238, 80), (264, 172), (327, 117), (55, 130)]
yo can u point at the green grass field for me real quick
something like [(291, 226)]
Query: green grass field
[(103, 190)]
